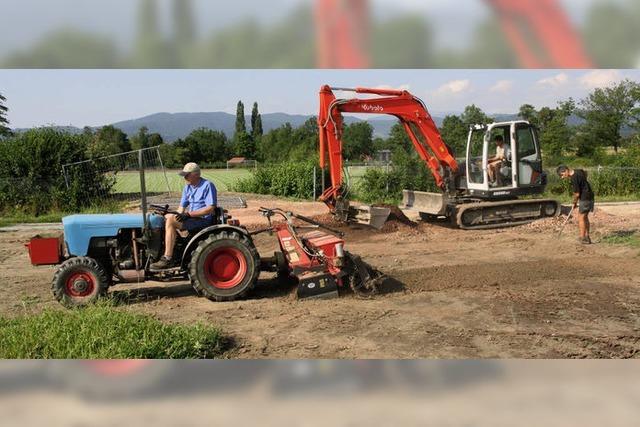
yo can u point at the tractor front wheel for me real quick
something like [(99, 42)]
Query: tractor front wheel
[(224, 266), (79, 281)]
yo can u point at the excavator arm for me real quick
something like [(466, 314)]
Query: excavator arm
[(413, 116), (538, 31)]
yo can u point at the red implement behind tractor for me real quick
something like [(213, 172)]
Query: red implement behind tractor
[(317, 259)]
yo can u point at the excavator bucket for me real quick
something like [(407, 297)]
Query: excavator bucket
[(421, 201), (373, 216)]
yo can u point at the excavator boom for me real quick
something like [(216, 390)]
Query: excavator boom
[(412, 114)]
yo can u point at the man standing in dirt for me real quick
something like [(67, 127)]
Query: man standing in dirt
[(583, 198)]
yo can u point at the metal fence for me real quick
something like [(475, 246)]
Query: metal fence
[(125, 179), (123, 182)]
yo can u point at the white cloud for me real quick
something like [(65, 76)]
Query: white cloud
[(600, 78), (454, 87), (502, 86), (555, 81)]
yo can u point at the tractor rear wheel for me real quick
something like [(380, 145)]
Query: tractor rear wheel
[(80, 281), (224, 266)]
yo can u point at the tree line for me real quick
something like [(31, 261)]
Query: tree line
[(607, 117)]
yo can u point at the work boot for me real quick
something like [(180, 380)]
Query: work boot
[(162, 264), (585, 240)]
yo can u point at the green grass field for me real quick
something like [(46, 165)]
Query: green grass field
[(104, 332), (156, 182)]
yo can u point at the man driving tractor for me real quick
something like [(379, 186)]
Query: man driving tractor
[(199, 199)]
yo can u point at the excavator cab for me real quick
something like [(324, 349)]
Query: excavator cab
[(517, 172), (503, 162)]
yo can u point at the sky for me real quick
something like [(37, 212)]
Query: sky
[(98, 97)]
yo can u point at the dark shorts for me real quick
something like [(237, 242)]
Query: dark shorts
[(585, 206), (195, 223)]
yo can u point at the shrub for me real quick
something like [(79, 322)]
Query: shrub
[(407, 173), (615, 182), (288, 179), (379, 186), (31, 178), (103, 332), (605, 182)]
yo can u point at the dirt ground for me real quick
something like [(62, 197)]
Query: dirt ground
[(511, 293)]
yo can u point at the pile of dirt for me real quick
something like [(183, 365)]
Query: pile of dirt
[(547, 225), (606, 220), (599, 219), (397, 221)]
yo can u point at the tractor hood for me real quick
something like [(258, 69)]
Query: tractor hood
[(80, 229)]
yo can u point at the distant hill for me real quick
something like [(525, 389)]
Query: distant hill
[(173, 126)]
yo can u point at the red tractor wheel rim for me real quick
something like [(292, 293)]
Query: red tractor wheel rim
[(80, 284), (225, 268)]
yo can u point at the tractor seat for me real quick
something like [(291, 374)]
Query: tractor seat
[(218, 217)]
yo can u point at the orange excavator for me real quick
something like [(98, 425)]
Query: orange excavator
[(476, 193), (538, 31)]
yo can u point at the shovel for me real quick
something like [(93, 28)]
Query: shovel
[(566, 221)]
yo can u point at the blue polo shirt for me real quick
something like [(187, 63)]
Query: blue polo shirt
[(199, 196)]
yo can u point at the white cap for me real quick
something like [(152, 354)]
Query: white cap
[(189, 168)]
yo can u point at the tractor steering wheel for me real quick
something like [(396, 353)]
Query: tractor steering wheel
[(162, 210)]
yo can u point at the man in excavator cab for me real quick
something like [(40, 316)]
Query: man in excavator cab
[(495, 163)]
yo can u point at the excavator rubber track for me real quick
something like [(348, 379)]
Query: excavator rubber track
[(486, 215)]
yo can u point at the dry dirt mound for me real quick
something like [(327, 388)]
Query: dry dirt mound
[(486, 275), (599, 219)]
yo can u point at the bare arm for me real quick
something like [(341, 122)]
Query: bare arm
[(208, 210), (576, 197)]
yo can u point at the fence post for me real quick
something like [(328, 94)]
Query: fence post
[(164, 171), (143, 188), (66, 178), (387, 174), (314, 183)]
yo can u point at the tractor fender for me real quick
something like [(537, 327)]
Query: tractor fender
[(203, 234)]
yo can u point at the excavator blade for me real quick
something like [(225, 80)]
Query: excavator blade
[(373, 216), (421, 201)]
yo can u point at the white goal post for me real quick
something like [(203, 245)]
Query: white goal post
[(242, 164)]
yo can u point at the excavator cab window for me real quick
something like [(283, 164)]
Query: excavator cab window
[(526, 143), (475, 156), (503, 172), (529, 164)]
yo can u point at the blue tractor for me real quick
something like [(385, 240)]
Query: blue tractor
[(99, 250), (220, 260)]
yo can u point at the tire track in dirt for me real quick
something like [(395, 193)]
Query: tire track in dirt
[(488, 275)]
